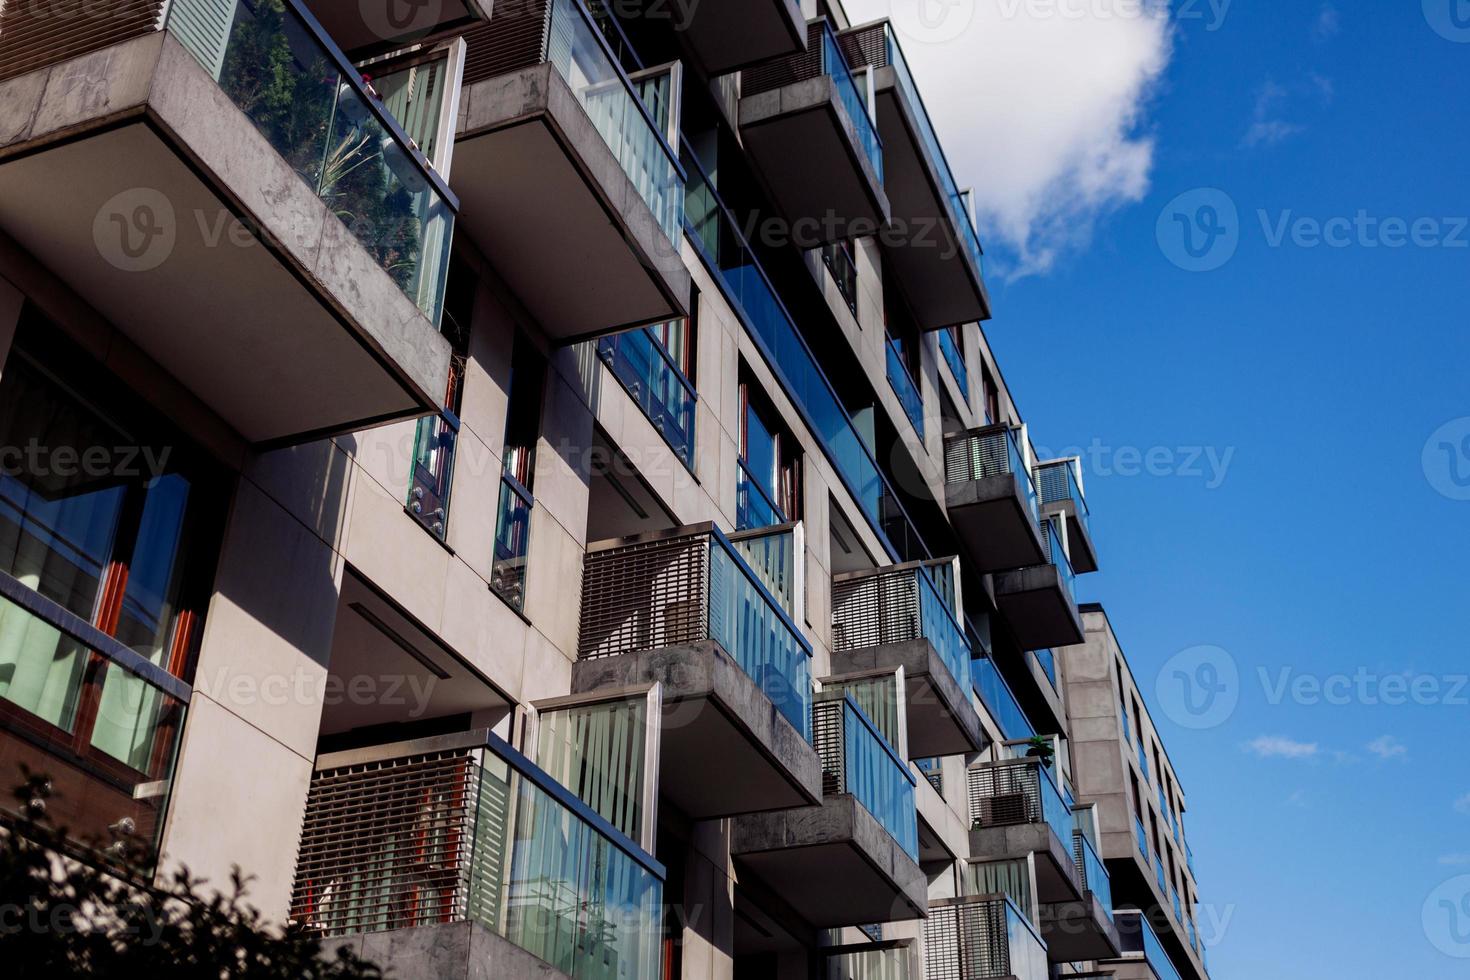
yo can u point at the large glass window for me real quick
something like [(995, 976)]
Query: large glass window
[(522, 430), (768, 484)]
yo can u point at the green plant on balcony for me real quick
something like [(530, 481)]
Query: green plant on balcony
[(1038, 747), (71, 919)]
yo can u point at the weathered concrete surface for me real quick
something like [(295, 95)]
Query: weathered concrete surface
[(941, 717), (725, 747), (1078, 930), (834, 864), (1038, 607), (452, 951), (1056, 874), (992, 520)]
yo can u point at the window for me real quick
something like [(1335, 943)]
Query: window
[(522, 430), (108, 513), (991, 392), (768, 487), (838, 258), (435, 437)]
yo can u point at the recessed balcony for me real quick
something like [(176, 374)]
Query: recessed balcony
[(455, 856), (804, 121), (1040, 601), (283, 257), (852, 860), (982, 937), (897, 617), (685, 609), (894, 959), (1060, 492), (932, 243), (991, 499), (565, 176), (1142, 956), (1016, 810)]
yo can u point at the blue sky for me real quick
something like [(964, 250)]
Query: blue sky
[(1331, 545)]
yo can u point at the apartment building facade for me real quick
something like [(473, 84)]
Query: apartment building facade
[(528, 483)]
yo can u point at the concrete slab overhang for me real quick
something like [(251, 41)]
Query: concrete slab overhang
[(548, 203), (1079, 930), (367, 28), (1056, 873), (1038, 607), (941, 280), (941, 717), (729, 34), (993, 520), (132, 177), (834, 864), (807, 150), (463, 950), (725, 748), (1079, 537)]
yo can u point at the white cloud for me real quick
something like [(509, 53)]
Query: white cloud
[(1387, 747), (1454, 860), (1041, 107), (1280, 747), (1267, 128), (1462, 805), (1327, 24)]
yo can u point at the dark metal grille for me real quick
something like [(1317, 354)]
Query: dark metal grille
[(966, 940), (386, 845), (783, 71), (645, 596), (35, 34), (865, 46), (829, 737), (976, 455), (876, 609), (1004, 795), (508, 42)]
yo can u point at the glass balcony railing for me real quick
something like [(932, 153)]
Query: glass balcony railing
[(1189, 858), (1191, 935), (981, 938), (1058, 481), (100, 721), (1048, 662), (645, 370), (987, 452), (879, 961), (1160, 875), (904, 387), (476, 833), (1057, 555), (1136, 937), (858, 760), (734, 266), (1141, 836), (304, 96), (859, 43), (630, 587), (1174, 900), (512, 542), (823, 56), (953, 356), (999, 701), (1143, 760), (1091, 871), (894, 605), (1019, 792)]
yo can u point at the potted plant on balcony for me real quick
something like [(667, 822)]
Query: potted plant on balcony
[(1040, 748)]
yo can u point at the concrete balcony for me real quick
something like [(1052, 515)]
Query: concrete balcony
[(284, 259), (729, 34), (933, 247), (897, 617), (365, 28), (894, 959), (1060, 492), (564, 175), (991, 499), (1141, 955), (1040, 601), (853, 860), (455, 856), (804, 121), (1084, 929), (736, 688), (1016, 810), (982, 937)]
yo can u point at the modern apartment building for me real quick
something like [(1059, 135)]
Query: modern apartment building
[(528, 483)]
